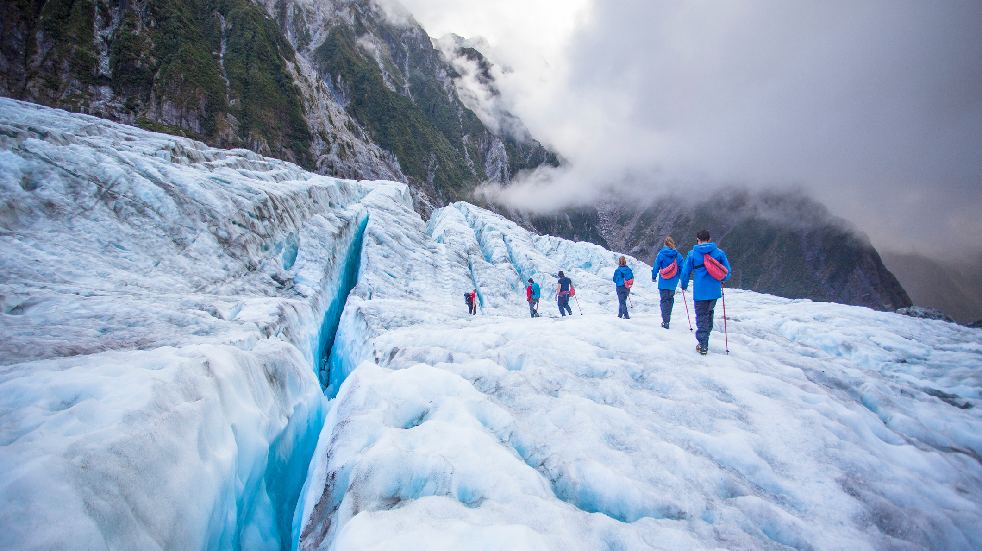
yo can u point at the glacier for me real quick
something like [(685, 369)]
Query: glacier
[(209, 349)]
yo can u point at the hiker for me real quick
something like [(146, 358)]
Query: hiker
[(709, 269), (666, 270), (532, 294), (471, 300), (564, 290), (623, 279)]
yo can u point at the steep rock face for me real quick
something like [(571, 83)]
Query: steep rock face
[(952, 287), (219, 72), (339, 86), (778, 243), (346, 88), (384, 69), (575, 224)]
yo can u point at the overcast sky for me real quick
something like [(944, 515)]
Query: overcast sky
[(872, 106)]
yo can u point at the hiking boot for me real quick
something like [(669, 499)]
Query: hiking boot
[(702, 349), (664, 325)]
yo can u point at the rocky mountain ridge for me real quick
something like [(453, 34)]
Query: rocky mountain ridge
[(778, 242), (337, 86), (351, 89), (950, 286)]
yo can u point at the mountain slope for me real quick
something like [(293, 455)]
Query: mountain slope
[(396, 84), (346, 88), (169, 66), (950, 287), (172, 313), (335, 86), (780, 243)]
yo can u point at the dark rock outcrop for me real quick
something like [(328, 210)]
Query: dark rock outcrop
[(950, 286), (780, 243)]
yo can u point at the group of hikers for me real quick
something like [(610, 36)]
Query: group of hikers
[(564, 290), (706, 265)]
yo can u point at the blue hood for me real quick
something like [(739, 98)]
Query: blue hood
[(665, 257), (706, 288), (705, 248)]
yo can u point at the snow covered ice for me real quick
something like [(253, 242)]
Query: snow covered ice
[(174, 315)]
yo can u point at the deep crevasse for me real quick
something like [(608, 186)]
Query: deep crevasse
[(162, 308)]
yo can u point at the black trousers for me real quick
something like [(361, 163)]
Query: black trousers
[(704, 321), (622, 293), (667, 303), (563, 301)]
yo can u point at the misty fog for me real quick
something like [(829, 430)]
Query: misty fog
[(874, 108)]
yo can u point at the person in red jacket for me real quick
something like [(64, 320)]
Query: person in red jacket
[(532, 294), (471, 300)]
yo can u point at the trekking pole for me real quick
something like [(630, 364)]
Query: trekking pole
[(726, 335), (580, 308), (687, 318)]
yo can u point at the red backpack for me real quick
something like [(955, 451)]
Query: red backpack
[(668, 272), (715, 269)]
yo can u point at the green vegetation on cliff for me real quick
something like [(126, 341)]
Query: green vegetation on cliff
[(393, 120), (167, 71)]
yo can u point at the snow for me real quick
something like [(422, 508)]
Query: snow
[(822, 430), (173, 316), (161, 306)]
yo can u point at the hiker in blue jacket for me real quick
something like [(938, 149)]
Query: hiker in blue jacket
[(706, 289), (668, 262), (623, 279), (532, 294)]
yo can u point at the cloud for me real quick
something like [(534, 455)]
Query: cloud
[(475, 85), (871, 107), (395, 12)]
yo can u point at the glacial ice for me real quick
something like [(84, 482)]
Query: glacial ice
[(168, 310), (161, 304), (589, 432)]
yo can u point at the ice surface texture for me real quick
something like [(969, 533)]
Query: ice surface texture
[(828, 427), (161, 308), (163, 314)]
